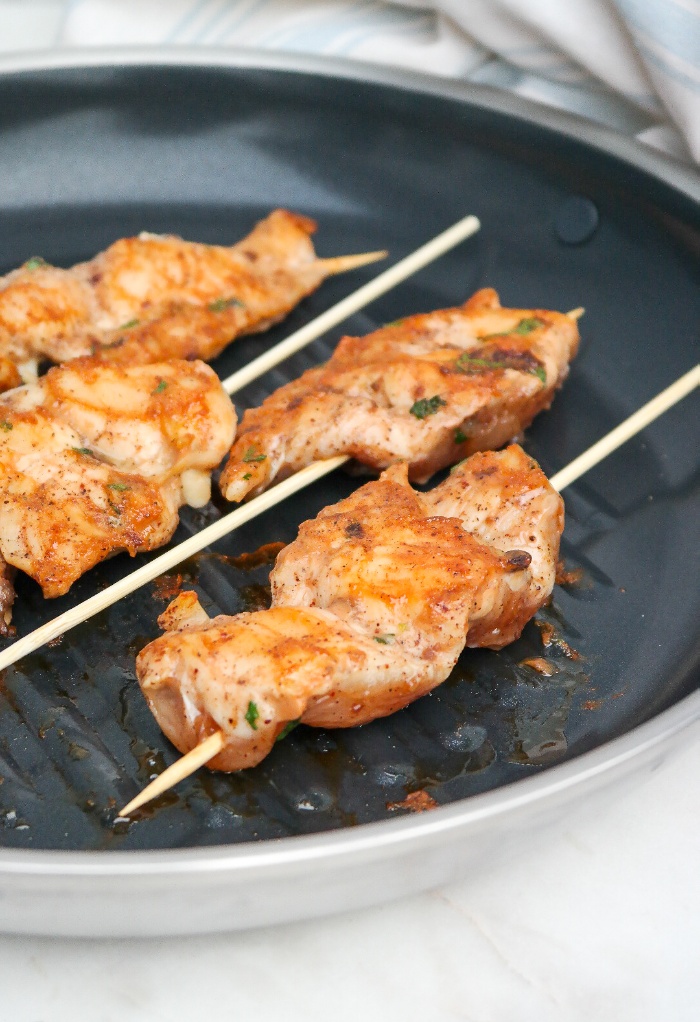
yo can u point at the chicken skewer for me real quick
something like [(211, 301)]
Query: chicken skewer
[(214, 745), (96, 459), (371, 606), (429, 390), (155, 297)]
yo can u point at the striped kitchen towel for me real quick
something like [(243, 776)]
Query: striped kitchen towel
[(631, 64)]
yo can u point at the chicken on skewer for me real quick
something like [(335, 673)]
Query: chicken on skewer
[(372, 605), (428, 390), (95, 459), (154, 297)]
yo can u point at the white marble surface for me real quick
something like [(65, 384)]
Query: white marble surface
[(599, 922)]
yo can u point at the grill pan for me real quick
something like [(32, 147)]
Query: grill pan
[(93, 148)]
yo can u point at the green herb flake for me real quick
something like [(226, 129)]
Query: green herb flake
[(34, 263), (247, 476), (394, 322), (160, 388), (385, 640), (426, 406), (252, 714), (221, 304), (85, 451), (460, 436), (119, 487), (527, 325), (524, 327), (117, 510), (250, 455), (129, 325), (7, 426), (469, 364), (287, 729)]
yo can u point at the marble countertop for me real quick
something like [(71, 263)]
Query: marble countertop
[(599, 921)]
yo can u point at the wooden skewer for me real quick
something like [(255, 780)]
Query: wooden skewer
[(201, 754), (343, 264), (196, 758), (627, 429), (576, 313), (405, 268), (169, 559)]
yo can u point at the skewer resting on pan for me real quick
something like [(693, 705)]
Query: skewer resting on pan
[(215, 744)]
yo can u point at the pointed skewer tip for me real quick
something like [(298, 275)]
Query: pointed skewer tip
[(176, 772), (343, 264), (576, 313)]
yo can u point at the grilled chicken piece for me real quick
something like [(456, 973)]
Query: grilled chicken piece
[(153, 297), (95, 459), (430, 389), (372, 605)]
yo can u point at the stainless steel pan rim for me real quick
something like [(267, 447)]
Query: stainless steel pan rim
[(681, 176), (640, 745)]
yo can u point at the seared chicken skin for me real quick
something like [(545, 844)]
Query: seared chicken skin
[(95, 459), (428, 390), (153, 297), (372, 605)]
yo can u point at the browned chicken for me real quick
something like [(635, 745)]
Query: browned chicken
[(153, 297), (371, 607), (428, 390), (97, 458)]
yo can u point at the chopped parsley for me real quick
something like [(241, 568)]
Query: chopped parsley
[(250, 455), (34, 263), (85, 451), (467, 363), (7, 426), (252, 715), (288, 727), (247, 476), (221, 304), (129, 325), (527, 325), (460, 436), (119, 487), (117, 510), (385, 640), (426, 406), (524, 327), (160, 388)]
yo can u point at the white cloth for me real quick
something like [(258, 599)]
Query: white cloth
[(631, 64)]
